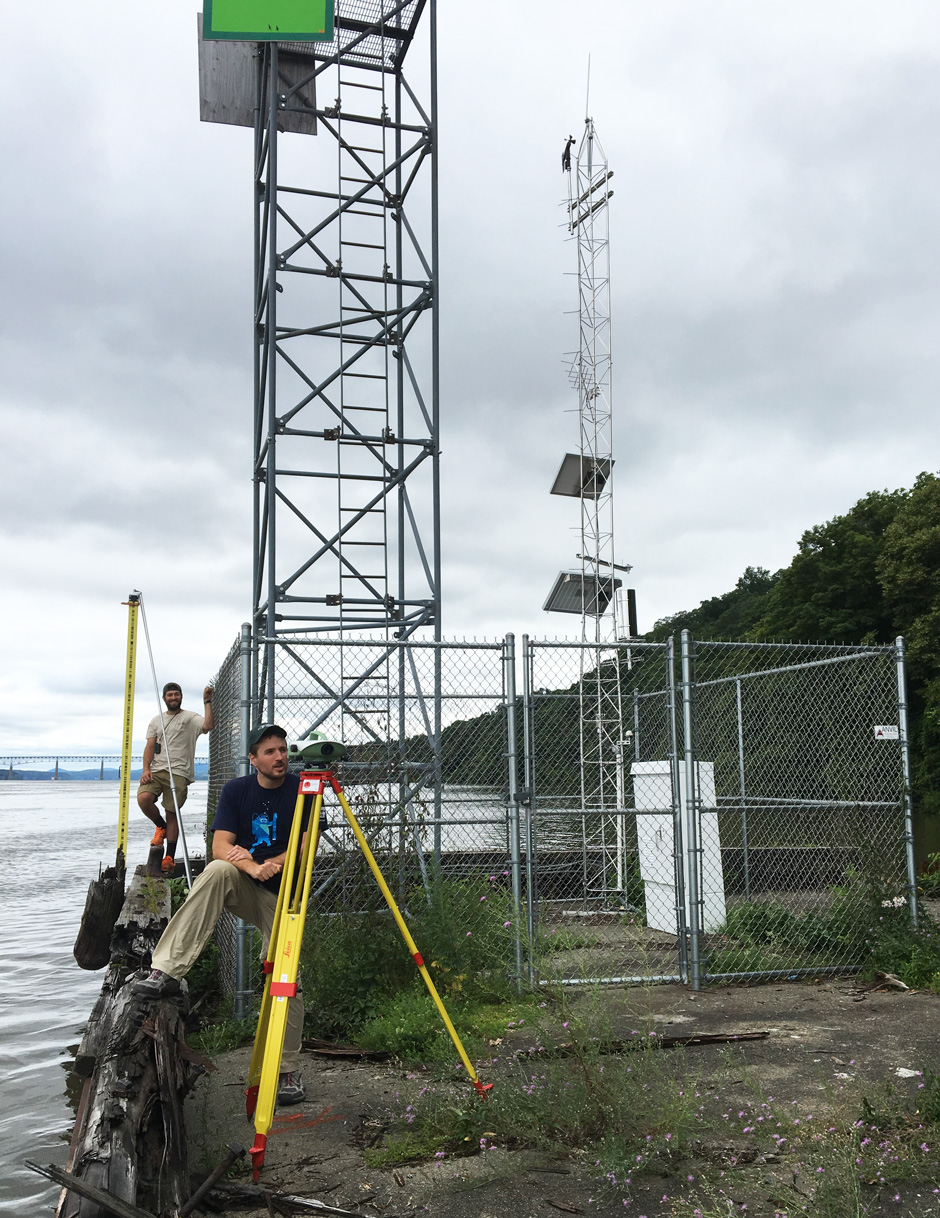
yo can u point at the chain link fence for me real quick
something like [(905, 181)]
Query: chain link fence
[(593, 863), (426, 777), (761, 825), (642, 811), (805, 837), (226, 755)]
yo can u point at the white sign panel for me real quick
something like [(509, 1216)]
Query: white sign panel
[(887, 731)]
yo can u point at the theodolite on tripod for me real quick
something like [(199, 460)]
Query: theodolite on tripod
[(283, 959)]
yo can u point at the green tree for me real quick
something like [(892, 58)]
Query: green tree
[(731, 616), (831, 591), (909, 574)]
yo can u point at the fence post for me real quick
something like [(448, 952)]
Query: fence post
[(689, 815), (747, 865), (527, 796), (678, 836), (906, 776), (515, 849), (242, 1005), (437, 759)]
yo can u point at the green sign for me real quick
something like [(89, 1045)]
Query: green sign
[(269, 20)]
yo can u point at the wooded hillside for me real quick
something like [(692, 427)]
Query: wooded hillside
[(864, 577)]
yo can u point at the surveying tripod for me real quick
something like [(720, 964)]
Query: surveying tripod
[(283, 957)]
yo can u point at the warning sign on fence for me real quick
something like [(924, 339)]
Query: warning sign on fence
[(887, 731)]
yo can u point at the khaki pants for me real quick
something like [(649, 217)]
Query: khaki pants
[(161, 785), (223, 886)]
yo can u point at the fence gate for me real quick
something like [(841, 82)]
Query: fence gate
[(801, 794), (760, 824), (601, 856)]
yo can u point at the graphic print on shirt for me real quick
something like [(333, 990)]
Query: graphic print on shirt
[(263, 828)]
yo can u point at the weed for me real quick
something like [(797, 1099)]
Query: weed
[(617, 1107), (358, 973), (410, 1027), (930, 876), (223, 1036), (860, 925), (151, 892), (203, 976), (178, 891)]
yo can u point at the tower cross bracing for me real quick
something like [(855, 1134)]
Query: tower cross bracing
[(346, 476)]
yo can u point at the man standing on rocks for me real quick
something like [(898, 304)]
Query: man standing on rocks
[(182, 729), (249, 842)]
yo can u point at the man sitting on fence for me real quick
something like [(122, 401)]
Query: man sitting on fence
[(250, 833)]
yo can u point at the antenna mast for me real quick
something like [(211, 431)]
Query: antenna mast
[(588, 223), (600, 702)]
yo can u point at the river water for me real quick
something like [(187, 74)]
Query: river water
[(54, 835)]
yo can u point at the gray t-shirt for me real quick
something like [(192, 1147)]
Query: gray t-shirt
[(182, 731)]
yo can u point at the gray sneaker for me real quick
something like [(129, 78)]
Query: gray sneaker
[(290, 1088), (157, 985)]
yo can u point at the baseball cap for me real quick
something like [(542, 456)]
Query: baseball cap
[(259, 734)]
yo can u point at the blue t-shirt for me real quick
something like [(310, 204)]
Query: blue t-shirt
[(260, 817)]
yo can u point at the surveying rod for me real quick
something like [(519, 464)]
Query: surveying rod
[(133, 604)]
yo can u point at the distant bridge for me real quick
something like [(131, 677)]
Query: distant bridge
[(19, 765)]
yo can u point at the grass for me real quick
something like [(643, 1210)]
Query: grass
[(361, 983), (862, 925), (222, 1035), (649, 1118), (411, 1029), (586, 1098)]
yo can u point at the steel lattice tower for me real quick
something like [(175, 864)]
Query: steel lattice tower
[(601, 705), (346, 474)]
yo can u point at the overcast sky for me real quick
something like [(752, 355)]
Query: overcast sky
[(774, 238)]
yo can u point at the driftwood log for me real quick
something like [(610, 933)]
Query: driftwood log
[(103, 904), (129, 1137)]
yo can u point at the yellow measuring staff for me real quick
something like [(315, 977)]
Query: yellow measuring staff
[(283, 959), (133, 604)]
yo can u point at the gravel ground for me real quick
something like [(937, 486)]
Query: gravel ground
[(829, 1044)]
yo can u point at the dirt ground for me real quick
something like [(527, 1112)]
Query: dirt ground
[(829, 1043)]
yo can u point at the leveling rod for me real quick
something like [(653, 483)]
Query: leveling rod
[(283, 958)]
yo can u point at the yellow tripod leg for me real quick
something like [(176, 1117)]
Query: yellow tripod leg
[(281, 982), (482, 1088), (261, 1032)]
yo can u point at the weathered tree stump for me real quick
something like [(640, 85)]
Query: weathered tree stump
[(103, 904), (129, 1138)]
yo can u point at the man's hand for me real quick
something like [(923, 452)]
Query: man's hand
[(207, 694), (258, 871), (146, 776), (238, 854)]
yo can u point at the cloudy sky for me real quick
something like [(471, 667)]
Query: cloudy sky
[(775, 301)]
